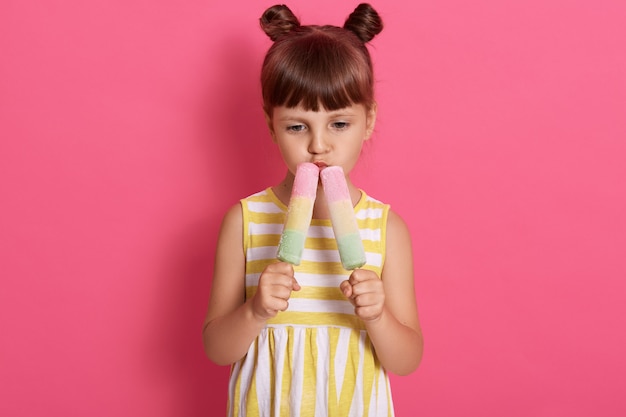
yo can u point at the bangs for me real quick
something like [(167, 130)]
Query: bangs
[(318, 72)]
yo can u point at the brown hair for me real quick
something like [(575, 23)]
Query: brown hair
[(318, 65)]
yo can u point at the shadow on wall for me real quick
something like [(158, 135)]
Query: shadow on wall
[(233, 138)]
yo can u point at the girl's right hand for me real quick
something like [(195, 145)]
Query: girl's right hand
[(275, 285)]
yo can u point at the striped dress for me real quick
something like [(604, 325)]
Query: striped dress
[(315, 359)]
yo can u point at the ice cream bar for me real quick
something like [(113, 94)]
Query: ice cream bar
[(342, 218), (299, 213)]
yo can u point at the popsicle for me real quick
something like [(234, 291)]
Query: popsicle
[(299, 213), (342, 218)]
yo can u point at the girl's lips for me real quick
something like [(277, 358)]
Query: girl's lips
[(320, 164)]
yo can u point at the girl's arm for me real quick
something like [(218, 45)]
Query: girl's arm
[(232, 323), (387, 306), (229, 327)]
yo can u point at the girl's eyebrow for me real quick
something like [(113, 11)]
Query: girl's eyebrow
[(343, 112), (289, 118)]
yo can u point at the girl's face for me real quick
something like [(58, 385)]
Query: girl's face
[(322, 137)]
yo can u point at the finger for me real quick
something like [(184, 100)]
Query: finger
[(361, 275), (280, 292), (368, 286), (270, 279), (268, 308), (368, 313), (276, 304), (289, 283), (282, 305), (368, 299), (281, 268), (354, 277), (346, 288)]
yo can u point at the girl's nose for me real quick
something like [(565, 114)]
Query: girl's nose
[(318, 144)]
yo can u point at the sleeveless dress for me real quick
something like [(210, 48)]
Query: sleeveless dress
[(315, 359)]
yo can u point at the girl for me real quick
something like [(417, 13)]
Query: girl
[(315, 339)]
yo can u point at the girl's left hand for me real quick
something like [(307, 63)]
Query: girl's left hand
[(365, 291)]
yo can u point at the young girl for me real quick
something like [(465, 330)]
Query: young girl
[(314, 339)]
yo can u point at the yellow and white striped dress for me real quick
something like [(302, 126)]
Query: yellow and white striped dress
[(315, 359)]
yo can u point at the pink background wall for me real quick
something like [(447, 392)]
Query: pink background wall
[(128, 127)]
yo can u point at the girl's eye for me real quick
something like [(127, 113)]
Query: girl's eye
[(340, 125), (295, 128)]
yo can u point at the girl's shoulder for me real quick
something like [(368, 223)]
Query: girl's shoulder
[(236, 216), (233, 219), (398, 239)]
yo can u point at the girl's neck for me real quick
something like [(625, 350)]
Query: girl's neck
[(320, 208)]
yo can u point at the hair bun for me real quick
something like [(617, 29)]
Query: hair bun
[(277, 21), (364, 22)]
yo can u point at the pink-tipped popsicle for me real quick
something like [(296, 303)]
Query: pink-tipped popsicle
[(299, 213), (342, 218)]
